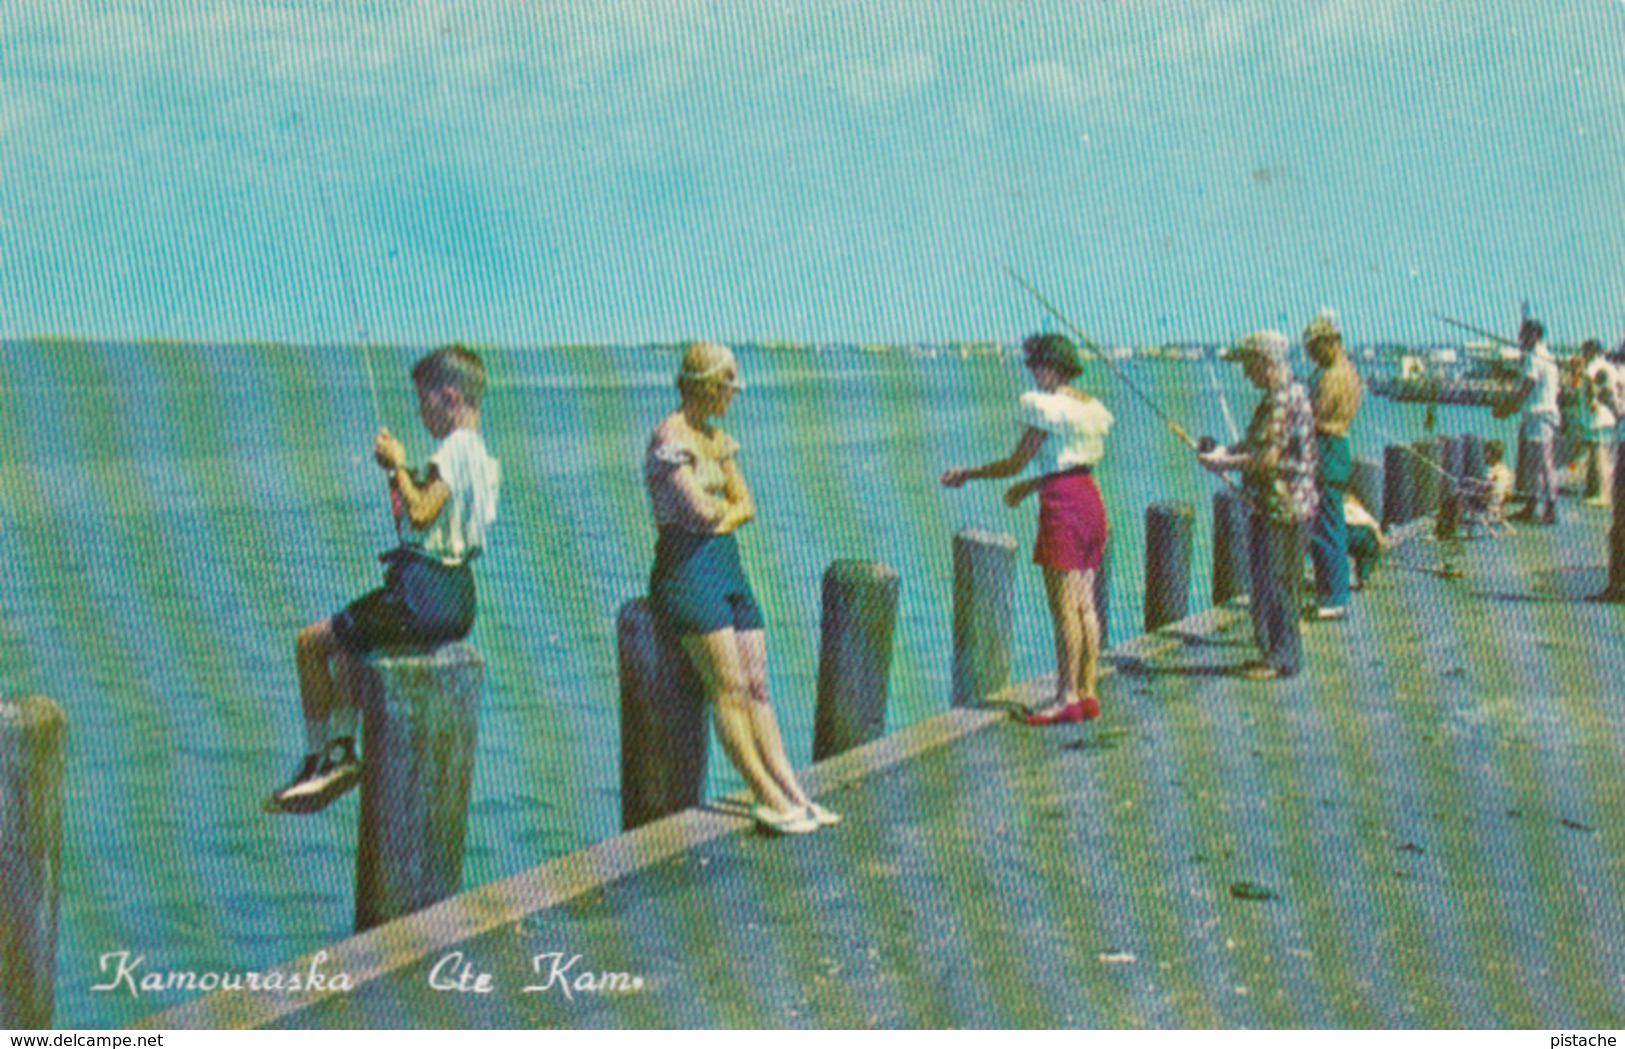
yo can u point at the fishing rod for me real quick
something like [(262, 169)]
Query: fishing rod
[(354, 301), (1202, 447), (1101, 356), (1476, 330), (1224, 401)]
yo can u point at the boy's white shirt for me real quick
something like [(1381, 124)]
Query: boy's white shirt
[(475, 481)]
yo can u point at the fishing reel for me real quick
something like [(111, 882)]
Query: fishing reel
[(1206, 444)]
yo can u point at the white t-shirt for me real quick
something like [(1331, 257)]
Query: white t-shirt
[(475, 480), (1601, 373), (1077, 429), (1540, 367)]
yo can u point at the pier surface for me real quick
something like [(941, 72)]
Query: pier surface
[(1424, 829)]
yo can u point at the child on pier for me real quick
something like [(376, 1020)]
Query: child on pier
[(1484, 500), (441, 516)]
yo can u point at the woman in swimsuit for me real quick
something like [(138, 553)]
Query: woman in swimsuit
[(699, 587)]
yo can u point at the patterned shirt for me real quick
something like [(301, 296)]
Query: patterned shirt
[(1284, 423)]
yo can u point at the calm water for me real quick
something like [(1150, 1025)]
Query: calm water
[(173, 514)]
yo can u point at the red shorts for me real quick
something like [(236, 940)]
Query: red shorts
[(1071, 522)]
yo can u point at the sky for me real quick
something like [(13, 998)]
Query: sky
[(522, 173)]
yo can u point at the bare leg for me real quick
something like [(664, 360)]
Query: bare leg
[(1089, 680), (1065, 608), (716, 659), (315, 646), (753, 655)]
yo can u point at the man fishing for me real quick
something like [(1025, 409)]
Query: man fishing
[(1536, 396), (1336, 399), (1277, 460)]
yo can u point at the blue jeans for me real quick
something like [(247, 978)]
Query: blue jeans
[(1329, 538), (1276, 552)]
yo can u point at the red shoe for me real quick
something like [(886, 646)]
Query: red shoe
[(1072, 712), (1091, 708)]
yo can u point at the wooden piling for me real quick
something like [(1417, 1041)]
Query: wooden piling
[(984, 588), (1525, 468), (1169, 529), (1472, 456), (1366, 483), (1425, 478), (421, 719), (1396, 486), (1451, 450), (32, 732), (1614, 592), (665, 738), (1232, 575), (854, 658)]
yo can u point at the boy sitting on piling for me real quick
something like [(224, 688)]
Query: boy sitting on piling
[(441, 516)]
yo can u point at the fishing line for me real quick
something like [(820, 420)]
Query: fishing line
[(1476, 330), (1224, 402), (1100, 355), (335, 249)]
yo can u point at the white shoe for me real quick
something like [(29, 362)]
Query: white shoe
[(822, 816), (794, 822)]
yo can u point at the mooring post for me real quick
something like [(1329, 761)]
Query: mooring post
[(1525, 469), (665, 737), (854, 656), (1232, 575), (1451, 450), (32, 762), (1169, 530), (1425, 478), (420, 711), (984, 588), (1614, 593), (1472, 456), (1396, 485), (1365, 484)]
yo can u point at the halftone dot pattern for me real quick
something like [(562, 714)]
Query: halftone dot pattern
[(175, 513)]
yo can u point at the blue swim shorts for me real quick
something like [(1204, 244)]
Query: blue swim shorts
[(698, 585)]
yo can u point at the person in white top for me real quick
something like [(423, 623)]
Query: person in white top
[(1611, 395), (1599, 439), (1537, 397), (1062, 439), (442, 515)]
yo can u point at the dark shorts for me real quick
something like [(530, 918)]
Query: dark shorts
[(423, 602), (698, 585)]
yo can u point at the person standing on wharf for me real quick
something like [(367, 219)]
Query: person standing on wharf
[(698, 586), (1537, 397), (1336, 399), (442, 514), (1064, 434), (1277, 460)]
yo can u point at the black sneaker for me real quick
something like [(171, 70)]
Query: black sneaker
[(285, 799), (320, 781)]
